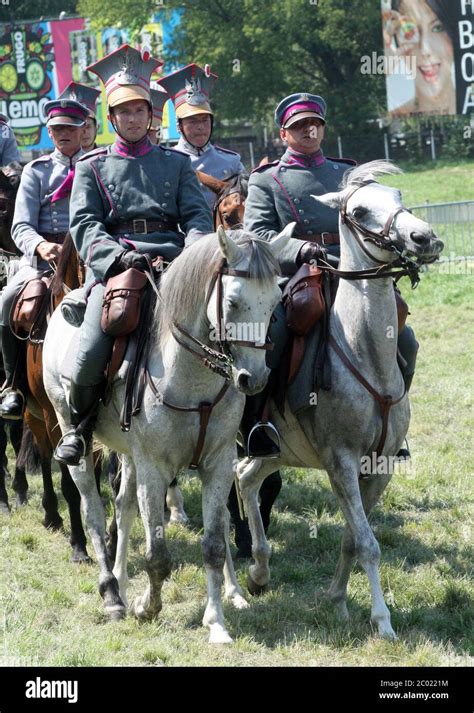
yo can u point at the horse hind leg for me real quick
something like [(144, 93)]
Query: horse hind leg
[(175, 504), (27, 457), (151, 489), (232, 589), (344, 476), (73, 499), (126, 510)]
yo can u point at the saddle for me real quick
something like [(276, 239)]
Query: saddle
[(30, 309)]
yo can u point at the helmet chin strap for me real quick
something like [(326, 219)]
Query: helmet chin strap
[(199, 148)]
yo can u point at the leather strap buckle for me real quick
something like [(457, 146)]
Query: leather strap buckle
[(323, 239), (139, 225)]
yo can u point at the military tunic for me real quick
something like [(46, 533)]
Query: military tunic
[(280, 193), (126, 182), (213, 160), (37, 213), (8, 147)]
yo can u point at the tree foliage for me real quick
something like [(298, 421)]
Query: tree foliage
[(17, 10)]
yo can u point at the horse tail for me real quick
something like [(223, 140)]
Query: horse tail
[(28, 458), (68, 250)]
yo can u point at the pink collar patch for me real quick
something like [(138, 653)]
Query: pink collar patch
[(127, 148)]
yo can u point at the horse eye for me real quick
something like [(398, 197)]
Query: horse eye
[(232, 304), (359, 212)]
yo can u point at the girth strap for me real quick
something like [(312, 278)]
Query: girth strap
[(386, 401)]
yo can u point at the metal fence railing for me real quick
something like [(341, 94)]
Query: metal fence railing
[(454, 224)]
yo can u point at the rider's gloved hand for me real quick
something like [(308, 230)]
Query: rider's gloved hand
[(132, 258), (311, 253)]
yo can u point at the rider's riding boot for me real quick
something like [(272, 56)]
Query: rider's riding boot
[(84, 407), (13, 396), (257, 442), (403, 454)]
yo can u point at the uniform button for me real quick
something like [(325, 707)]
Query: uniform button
[(301, 212), (101, 158), (167, 153), (164, 205), (116, 197), (309, 232), (55, 212), (282, 168), (306, 221), (335, 167), (111, 187), (55, 230), (55, 220), (296, 200), (167, 195), (119, 205), (167, 184)]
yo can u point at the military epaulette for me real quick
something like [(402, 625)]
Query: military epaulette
[(264, 166), (46, 157), (175, 150), (221, 148), (95, 152), (349, 161)]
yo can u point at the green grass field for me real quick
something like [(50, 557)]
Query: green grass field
[(51, 612)]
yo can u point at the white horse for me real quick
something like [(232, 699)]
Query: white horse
[(377, 234), (214, 288)]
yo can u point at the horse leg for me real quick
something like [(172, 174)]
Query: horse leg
[(371, 489), (215, 543), (84, 478), (251, 475), (125, 512), (73, 499), (344, 476), (4, 505), (20, 439), (175, 503), (151, 490), (52, 519), (232, 589), (114, 476)]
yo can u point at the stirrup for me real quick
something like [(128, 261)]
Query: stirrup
[(255, 427), (61, 441)]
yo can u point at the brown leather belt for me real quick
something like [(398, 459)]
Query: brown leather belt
[(142, 226), (322, 238)]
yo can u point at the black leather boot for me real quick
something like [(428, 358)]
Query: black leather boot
[(13, 396), (257, 442), (404, 454), (84, 407)]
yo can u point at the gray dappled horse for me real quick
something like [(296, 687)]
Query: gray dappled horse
[(214, 285), (377, 235)]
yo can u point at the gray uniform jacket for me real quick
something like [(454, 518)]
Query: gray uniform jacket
[(8, 147), (35, 213), (280, 193), (110, 188), (213, 160)]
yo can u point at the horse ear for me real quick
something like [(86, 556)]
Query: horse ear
[(230, 250), (331, 200), (5, 184), (279, 241)]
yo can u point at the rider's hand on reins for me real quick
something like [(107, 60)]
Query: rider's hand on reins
[(48, 251)]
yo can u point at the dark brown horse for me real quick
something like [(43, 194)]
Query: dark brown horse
[(41, 418), (9, 181)]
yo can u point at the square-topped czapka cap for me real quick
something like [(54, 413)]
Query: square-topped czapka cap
[(126, 74), (85, 95), (65, 112), (189, 89), (159, 97), (299, 106)]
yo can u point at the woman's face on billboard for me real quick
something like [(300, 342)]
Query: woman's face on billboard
[(423, 35)]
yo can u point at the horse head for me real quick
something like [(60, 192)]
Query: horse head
[(240, 310), (374, 225)]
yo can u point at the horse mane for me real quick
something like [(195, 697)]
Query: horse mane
[(184, 283), (68, 250), (367, 171)]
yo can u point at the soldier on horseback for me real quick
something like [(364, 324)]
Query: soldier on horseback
[(88, 97), (128, 199), (40, 223), (8, 147), (189, 89), (280, 193)]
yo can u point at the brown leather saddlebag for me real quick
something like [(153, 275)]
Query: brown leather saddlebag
[(27, 305), (303, 299), (121, 304)]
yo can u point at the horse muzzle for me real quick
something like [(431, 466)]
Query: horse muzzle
[(250, 384)]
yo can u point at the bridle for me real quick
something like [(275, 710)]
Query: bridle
[(220, 361), (236, 184), (381, 239)]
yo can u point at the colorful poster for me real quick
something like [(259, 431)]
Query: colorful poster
[(429, 56)]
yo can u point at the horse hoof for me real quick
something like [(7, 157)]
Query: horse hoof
[(179, 519), (238, 602), (21, 500), (142, 613), (219, 635), (116, 612), (256, 590), (56, 524), (80, 556), (4, 508)]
